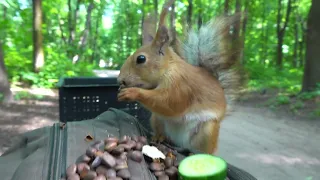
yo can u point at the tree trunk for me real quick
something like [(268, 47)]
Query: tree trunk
[(244, 29), (4, 12), (73, 21), (4, 15), (279, 36), (128, 19), (87, 28), (199, 15), (62, 32), (226, 12), (226, 7), (266, 42), (38, 56), (296, 35), (75, 18), (279, 49), (143, 31), (301, 49), (189, 15), (302, 44), (312, 67), (172, 24), (70, 22), (296, 44), (281, 31), (155, 4), (236, 32), (96, 33), (264, 37), (4, 82)]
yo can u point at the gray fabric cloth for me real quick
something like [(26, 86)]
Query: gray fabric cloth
[(44, 154)]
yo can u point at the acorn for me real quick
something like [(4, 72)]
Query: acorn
[(110, 146), (136, 156), (111, 139), (156, 166), (72, 169), (117, 151), (124, 173)]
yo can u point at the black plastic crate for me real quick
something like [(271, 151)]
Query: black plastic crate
[(83, 98)]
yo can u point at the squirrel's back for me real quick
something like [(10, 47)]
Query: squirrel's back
[(209, 47)]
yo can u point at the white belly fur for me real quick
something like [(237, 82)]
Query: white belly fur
[(179, 129)]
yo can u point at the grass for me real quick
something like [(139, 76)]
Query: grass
[(317, 111), (261, 77), (287, 84), (26, 95)]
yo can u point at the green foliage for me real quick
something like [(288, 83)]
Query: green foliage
[(309, 95), (25, 95), (297, 105), (282, 99), (306, 100), (287, 80), (51, 72), (114, 32), (20, 69), (317, 111)]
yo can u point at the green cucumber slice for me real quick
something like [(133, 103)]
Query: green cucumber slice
[(202, 167)]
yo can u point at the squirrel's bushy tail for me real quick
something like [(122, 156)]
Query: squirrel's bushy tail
[(211, 47)]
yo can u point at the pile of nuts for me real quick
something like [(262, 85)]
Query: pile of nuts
[(107, 160), (166, 169)]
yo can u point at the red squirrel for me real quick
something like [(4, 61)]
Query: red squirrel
[(188, 86)]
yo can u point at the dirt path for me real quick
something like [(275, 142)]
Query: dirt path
[(23, 116), (269, 146)]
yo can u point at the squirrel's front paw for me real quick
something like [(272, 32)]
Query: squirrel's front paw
[(128, 94), (158, 138)]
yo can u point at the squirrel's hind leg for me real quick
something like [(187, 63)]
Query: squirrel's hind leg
[(206, 137), (158, 129)]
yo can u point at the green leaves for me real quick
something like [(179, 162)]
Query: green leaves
[(9, 3), (5, 3), (115, 32)]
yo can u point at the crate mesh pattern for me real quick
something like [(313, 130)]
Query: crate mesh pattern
[(85, 98)]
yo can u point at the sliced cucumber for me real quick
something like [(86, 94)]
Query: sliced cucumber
[(202, 167)]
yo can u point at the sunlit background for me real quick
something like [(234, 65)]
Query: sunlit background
[(86, 37)]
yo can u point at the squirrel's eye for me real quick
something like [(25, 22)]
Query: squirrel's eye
[(141, 59)]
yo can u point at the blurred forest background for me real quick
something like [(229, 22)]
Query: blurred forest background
[(42, 41)]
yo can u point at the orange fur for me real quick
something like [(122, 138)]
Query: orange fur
[(187, 102), (179, 92), (208, 141)]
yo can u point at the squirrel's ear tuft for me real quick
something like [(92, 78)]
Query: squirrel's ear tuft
[(162, 38)]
